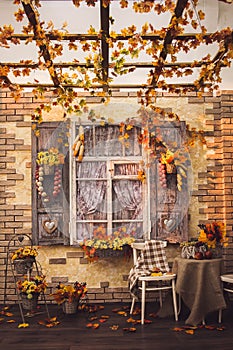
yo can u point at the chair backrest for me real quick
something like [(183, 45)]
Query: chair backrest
[(139, 246)]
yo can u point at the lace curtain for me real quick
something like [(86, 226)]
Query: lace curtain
[(92, 191)]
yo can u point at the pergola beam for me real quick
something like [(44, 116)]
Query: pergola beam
[(91, 37), (34, 65), (42, 44), (180, 6)]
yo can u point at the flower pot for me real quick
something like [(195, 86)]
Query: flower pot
[(217, 251), (23, 265), (70, 307), (170, 168), (113, 253), (29, 304), (48, 169)]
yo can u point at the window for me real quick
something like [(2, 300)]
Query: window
[(105, 190)]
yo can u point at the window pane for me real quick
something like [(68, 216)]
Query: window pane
[(127, 200)]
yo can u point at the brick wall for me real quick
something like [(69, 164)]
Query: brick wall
[(213, 192)]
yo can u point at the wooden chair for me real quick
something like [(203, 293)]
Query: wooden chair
[(144, 283), (227, 282)]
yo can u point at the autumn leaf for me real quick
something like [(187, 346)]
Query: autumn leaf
[(114, 327), (177, 329), (89, 325), (93, 318), (147, 321), (131, 329), (23, 325), (189, 331), (95, 325), (102, 320), (11, 321), (122, 313)]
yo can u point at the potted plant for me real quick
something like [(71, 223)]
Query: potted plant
[(102, 245), (212, 238), (213, 235), (30, 289), (23, 258), (69, 295)]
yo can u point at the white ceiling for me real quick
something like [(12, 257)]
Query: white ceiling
[(218, 15)]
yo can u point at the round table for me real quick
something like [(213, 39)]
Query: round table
[(199, 286)]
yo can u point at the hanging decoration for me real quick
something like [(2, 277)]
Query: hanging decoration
[(78, 145), (49, 165), (50, 225)]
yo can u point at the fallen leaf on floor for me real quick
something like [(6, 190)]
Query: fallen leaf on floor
[(23, 325), (89, 325), (8, 314), (190, 327), (131, 329), (189, 331), (114, 327), (178, 329), (104, 316), (130, 320), (49, 323), (147, 321), (102, 320), (92, 325), (95, 325), (11, 321), (137, 311), (122, 313), (92, 318)]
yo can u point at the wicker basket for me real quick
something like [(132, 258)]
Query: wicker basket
[(29, 304), (23, 265), (70, 307)]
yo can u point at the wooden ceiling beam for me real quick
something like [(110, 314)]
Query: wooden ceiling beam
[(99, 86), (137, 65), (41, 41), (91, 37), (180, 6), (104, 20)]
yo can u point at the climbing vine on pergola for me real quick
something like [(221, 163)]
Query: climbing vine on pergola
[(110, 54)]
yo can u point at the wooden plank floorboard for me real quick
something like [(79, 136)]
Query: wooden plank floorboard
[(72, 333)]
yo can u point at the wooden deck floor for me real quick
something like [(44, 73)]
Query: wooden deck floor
[(113, 333)]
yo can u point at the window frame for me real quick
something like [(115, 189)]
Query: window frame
[(110, 161)]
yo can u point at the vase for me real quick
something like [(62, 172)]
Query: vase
[(217, 251), (22, 266), (188, 252), (29, 304), (70, 307)]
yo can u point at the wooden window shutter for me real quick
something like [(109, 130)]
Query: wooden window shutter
[(50, 186)]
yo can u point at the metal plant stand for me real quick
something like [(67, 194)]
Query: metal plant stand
[(27, 269)]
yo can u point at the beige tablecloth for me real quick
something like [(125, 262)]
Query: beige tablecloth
[(198, 284)]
